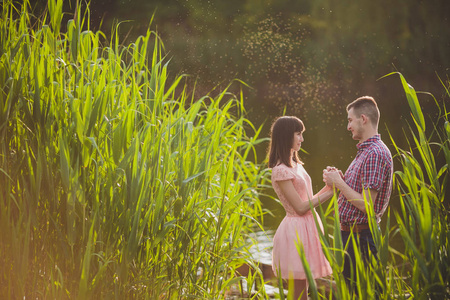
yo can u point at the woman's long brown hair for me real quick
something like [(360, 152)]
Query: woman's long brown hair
[(281, 138)]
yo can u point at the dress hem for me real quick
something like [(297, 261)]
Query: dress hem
[(302, 275)]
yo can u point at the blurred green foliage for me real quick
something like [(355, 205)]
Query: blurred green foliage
[(345, 39)]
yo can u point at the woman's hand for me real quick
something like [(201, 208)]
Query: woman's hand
[(326, 188)]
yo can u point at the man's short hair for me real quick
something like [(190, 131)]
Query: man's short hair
[(366, 106)]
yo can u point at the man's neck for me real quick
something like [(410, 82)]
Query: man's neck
[(368, 135)]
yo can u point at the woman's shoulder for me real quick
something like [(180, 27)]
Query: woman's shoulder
[(282, 172), (280, 166)]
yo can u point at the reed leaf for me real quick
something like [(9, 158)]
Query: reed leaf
[(129, 175)]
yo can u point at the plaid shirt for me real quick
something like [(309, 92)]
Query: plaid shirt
[(372, 168)]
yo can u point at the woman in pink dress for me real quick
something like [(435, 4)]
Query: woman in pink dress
[(294, 189)]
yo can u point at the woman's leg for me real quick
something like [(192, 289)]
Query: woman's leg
[(300, 286)]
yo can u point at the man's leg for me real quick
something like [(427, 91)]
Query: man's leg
[(349, 258), (367, 245)]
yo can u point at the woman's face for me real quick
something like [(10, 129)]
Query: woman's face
[(297, 141)]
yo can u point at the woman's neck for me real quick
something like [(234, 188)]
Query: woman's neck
[(293, 162)]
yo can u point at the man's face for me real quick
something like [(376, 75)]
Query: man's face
[(355, 125)]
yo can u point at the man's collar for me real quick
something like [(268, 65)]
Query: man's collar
[(369, 141)]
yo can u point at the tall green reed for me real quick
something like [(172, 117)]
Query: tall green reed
[(422, 271), (116, 181), (423, 219)]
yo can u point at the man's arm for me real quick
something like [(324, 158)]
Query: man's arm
[(355, 198)]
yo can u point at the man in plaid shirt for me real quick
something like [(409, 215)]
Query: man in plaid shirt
[(369, 176)]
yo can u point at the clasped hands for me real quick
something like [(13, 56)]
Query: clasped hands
[(332, 176)]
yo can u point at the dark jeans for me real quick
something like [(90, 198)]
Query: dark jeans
[(365, 244)]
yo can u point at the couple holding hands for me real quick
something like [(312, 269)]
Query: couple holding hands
[(369, 176)]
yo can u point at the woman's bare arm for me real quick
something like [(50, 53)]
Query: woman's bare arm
[(301, 207)]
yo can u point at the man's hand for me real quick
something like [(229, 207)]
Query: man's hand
[(332, 176)]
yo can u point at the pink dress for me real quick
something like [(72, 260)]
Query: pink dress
[(294, 229)]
